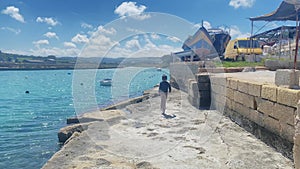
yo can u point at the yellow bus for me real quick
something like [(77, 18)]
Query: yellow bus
[(239, 48)]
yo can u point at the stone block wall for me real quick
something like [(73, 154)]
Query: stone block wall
[(267, 111), (199, 91), (182, 73), (297, 139), (269, 106)]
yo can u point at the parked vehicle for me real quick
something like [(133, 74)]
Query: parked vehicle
[(238, 49)]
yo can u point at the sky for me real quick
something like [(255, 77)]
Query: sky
[(117, 28)]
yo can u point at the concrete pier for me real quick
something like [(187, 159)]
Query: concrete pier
[(138, 136)]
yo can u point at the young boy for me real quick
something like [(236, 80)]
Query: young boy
[(164, 88)]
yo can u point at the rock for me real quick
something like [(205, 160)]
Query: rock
[(65, 133), (249, 69), (145, 165), (75, 120), (272, 64), (74, 135), (103, 162)]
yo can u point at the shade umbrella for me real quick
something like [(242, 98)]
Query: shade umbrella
[(289, 10)]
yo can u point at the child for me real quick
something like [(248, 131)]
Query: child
[(164, 88)]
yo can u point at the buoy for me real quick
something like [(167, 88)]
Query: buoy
[(27, 92)]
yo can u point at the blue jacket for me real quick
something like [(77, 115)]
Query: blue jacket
[(164, 86)]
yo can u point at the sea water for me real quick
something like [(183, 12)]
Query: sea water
[(29, 122)]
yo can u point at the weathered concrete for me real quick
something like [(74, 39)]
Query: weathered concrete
[(287, 78), (278, 64), (144, 139)]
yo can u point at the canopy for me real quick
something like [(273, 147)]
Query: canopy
[(288, 10)]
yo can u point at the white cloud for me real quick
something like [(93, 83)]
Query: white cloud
[(241, 3), (40, 42), (46, 51), (132, 10), (49, 21), (51, 35), (110, 31), (133, 48), (69, 45), (80, 39), (136, 31), (152, 50), (173, 39), (133, 44), (155, 36), (16, 31), (86, 26), (14, 13), (54, 51), (235, 32), (206, 24), (98, 46)]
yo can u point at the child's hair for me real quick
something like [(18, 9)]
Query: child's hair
[(164, 77)]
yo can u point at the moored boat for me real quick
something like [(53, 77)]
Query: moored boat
[(106, 82)]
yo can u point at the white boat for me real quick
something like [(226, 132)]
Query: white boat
[(106, 82), (158, 69)]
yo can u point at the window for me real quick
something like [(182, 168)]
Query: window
[(247, 44)]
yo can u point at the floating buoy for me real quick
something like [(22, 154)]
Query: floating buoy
[(27, 92)]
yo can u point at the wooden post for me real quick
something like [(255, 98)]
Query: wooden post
[(251, 43), (297, 40)]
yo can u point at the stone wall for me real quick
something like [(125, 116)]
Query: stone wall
[(279, 64), (267, 111), (199, 91), (297, 140), (265, 106), (182, 73)]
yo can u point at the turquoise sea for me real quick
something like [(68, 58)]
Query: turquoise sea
[(29, 122)]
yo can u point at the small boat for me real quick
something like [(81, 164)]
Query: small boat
[(106, 82), (158, 69)]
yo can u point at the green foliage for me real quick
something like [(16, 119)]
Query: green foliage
[(240, 64)]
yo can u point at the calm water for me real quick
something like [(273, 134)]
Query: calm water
[(29, 122)]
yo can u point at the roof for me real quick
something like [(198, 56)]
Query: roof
[(275, 35), (288, 10), (201, 44), (184, 53)]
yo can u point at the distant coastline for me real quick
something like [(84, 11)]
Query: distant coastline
[(6, 66), (10, 61)]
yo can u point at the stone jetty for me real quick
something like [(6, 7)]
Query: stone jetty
[(137, 136)]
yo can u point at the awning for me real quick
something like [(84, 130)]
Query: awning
[(288, 10)]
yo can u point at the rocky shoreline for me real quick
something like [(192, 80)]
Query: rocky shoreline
[(138, 136)]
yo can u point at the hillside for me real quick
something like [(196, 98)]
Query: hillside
[(10, 61)]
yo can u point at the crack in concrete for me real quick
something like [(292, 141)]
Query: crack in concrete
[(228, 151)]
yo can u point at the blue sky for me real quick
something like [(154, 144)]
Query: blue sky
[(64, 27)]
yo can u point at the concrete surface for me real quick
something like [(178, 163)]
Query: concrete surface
[(141, 138)]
